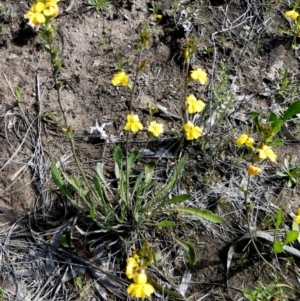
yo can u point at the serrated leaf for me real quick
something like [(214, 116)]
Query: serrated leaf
[(178, 199), (205, 214), (277, 247), (165, 224), (291, 236), (292, 110), (191, 252)]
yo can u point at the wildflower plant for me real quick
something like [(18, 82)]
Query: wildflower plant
[(293, 17), (137, 201)]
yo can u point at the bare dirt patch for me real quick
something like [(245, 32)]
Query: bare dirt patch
[(33, 215)]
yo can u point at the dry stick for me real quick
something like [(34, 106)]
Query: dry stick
[(39, 152)]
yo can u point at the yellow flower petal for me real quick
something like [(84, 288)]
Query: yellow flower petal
[(121, 78), (133, 123), (191, 131), (241, 140), (156, 129), (199, 75), (297, 219), (291, 14), (194, 105), (140, 278), (253, 170), (265, 151), (39, 7), (140, 290)]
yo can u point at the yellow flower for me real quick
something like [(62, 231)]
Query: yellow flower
[(140, 278), (155, 128), (244, 139), (266, 151), (140, 288), (51, 9), (297, 219), (253, 170), (199, 75), (133, 123), (194, 105), (38, 7), (191, 131), (35, 18), (131, 267), (291, 14), (121, 78)]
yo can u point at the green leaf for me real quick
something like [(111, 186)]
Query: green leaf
[(276, 126), (276, 142), (92, 212), (295, 227), (165, 224), (254, 116), (137, 184), (277, 247), (205, 214), (149, 170), (98, 187), (178, 199), (79, 282), (291, 236), (189, 249), (292, 110), (131, 159), (281, 174), (64, 241), (279, 219), (117, 155), (273, 117), (59, 182), (176, 173)]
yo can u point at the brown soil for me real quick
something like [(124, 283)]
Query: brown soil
[(243, 35)]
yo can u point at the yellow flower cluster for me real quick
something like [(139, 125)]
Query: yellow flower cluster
[(42, 10), (263, 152), (199, 75), (133, 123), (194, 105), (121, 78), (297, 217), (192, 131), (140, 288), (244, 139), (292, 15)]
